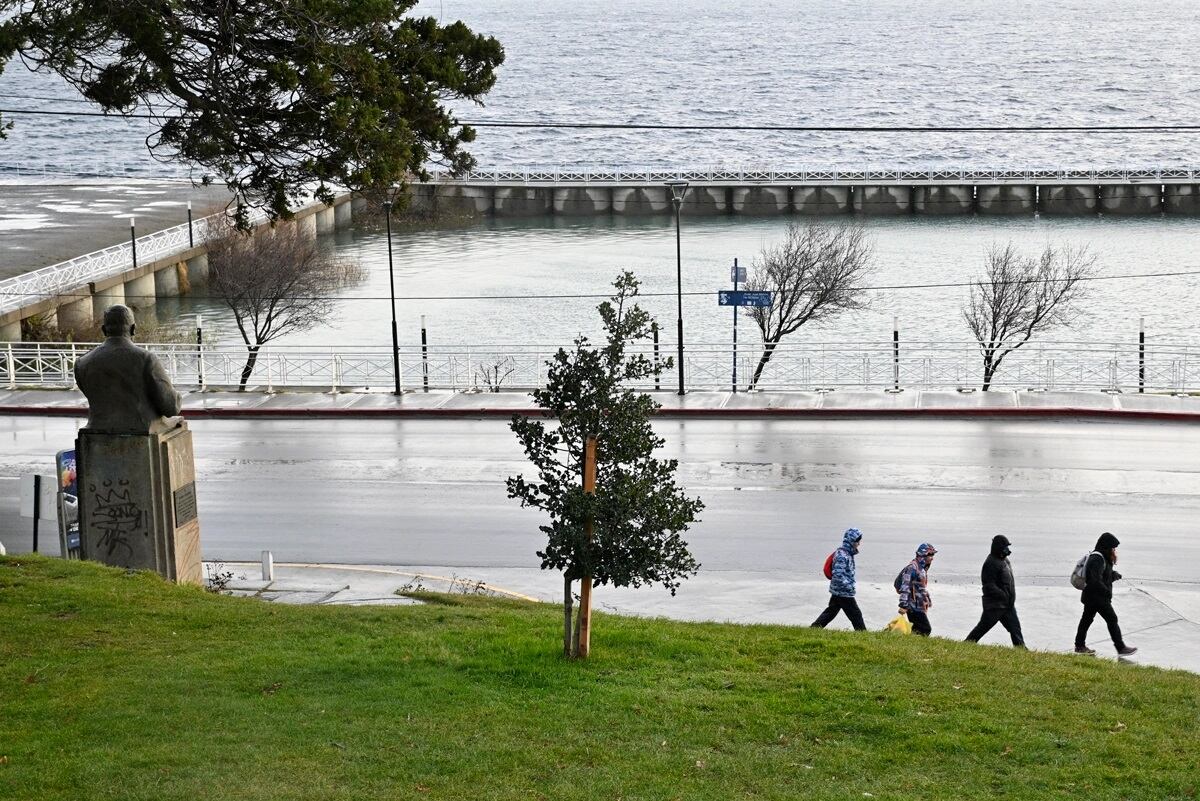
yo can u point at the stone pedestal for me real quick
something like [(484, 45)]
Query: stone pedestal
[(137, 501)]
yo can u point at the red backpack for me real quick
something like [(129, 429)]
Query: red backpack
[(829, 566)]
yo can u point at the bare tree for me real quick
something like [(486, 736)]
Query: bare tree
[(276, 282), (493, 375), (815, 273), (1020, 296)]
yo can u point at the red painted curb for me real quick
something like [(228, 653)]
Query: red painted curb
[(776, 412)]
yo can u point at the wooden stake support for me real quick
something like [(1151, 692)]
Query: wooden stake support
[(585, 584)]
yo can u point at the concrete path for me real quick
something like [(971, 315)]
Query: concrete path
[(912, 403), (48, 222), (1162, 619)]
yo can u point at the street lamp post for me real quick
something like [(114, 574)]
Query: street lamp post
[(678, 190), (133, 241), (387, 211)]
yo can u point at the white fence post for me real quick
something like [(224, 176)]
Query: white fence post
[(11, 364)]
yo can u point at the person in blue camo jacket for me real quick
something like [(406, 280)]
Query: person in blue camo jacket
[(842, 585)]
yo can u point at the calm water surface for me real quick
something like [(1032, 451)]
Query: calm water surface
[(520, 260), (858, 62), (855, 62)]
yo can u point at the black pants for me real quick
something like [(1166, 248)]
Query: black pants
[(1005, 617), (1106, 611), (840, 603), (920, 623)]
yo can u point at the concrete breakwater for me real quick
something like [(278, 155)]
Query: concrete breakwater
[(521, 199), (73, 295)]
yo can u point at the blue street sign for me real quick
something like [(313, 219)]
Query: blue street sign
[(727, 297), (737, 275)]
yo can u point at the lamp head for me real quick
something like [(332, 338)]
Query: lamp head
[(678, 189)]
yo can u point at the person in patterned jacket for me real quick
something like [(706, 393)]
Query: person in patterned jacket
[(841, 586), (914, 590)]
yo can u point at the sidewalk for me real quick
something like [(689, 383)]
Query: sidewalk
[(1161, 618), (219, 404)]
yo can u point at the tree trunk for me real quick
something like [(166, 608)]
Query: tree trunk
[(567, 603), (251, 359), (575, 652), (768, 352), (990, 365)]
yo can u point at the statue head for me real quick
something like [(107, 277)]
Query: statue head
[(118, 321)]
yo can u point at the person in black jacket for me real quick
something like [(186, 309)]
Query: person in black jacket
[(1097, 596), (999, 594)]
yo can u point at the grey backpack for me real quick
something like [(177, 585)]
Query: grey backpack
[(1079, 574)]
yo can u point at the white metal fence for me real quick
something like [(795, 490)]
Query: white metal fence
[(1112, 367), (819, 175)]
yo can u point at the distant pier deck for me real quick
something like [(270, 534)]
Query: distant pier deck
[(534, 193)]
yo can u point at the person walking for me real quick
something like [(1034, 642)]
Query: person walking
[(914, 590), (1096, 596), (842, 584), (999, 594)]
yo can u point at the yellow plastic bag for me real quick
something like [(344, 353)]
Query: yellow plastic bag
[(900, 624)]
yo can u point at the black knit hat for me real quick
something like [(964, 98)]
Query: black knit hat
[(1107, 542)]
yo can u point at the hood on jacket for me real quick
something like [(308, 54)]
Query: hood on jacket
[(851, 539), (925, 549), (1107, 542), (1000, 546)]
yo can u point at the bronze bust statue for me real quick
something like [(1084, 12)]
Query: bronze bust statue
[(127, 389)]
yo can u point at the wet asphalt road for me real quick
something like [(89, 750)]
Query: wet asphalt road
[(778, 492)]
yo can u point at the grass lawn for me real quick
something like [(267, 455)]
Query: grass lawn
[(122, 686)]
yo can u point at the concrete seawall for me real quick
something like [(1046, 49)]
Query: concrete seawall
[(521, 199), (81, 307)]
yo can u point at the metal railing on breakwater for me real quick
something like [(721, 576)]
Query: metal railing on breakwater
[(648, 176), (1110, 367), (869, 191)]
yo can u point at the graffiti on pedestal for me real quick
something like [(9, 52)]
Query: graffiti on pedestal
[(117, 516)]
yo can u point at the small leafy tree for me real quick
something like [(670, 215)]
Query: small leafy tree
[(815, 273), (1021, 296), (638, 511), (276, 282)]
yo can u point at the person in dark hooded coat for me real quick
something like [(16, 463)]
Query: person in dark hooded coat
[(1097, 596), (999, 594)]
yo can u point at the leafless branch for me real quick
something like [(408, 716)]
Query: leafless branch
[(816, 272), (1021, 296), (276, 282)]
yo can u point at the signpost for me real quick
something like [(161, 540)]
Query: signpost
[(736, 274), (740, 297), (726, 297)]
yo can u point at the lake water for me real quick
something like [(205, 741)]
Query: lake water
[(869, 62), (511, 262)]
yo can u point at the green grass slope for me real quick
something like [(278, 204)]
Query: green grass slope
[(121, 686)]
